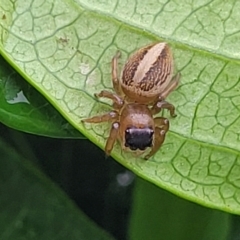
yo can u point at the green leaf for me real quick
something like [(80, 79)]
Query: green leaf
[(171, 217), (65, 51), (32, 207), (24, 109)]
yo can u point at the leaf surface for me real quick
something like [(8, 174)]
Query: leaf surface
[(64, 50)]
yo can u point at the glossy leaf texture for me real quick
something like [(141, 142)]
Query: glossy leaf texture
[(32, 207), (64, 49)]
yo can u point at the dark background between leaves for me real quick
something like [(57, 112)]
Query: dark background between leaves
[(83, 172)]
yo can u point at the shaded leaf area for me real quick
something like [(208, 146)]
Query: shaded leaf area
[(33, 207), (65, 52), (24, 109)]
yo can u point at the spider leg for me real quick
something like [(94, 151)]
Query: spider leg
[(173, 84), (115, 79), (117, 100), (161, 128), (110, 116), (161, 104), (112, 138)]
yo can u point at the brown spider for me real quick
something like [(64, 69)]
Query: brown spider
[(145, 82)]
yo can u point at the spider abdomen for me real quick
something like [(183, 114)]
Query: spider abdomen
[(147, 73)]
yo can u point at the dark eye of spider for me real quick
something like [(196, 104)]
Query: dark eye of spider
[(138, 138)]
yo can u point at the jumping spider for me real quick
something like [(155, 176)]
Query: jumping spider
[(145, 82)]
